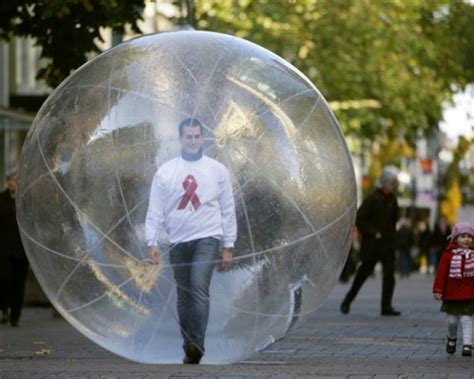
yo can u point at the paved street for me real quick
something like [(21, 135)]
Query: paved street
[(359, 345)]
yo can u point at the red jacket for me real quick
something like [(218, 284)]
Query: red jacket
[(451, 288)]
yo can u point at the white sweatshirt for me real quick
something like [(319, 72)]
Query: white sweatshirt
[(191, 200)]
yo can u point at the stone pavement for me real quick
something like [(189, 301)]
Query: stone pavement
[(361, 344)]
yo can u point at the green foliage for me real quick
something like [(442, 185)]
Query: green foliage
[(66, 29), (407, 56), (386, 67), (453, 175)]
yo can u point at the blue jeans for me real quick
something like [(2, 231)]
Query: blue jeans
[(193, 263)]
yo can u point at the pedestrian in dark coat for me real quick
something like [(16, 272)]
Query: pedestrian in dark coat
[(376, 221), (454, 284), (405, 240), (423, 237), (13, 261)]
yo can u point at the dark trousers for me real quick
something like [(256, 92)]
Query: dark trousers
[(193, 264), (388, 282), (4, 296), (12, 291)]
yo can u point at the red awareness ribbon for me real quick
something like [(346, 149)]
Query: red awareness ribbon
[(190, 186)]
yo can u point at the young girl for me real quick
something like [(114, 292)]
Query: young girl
[(454, 284)]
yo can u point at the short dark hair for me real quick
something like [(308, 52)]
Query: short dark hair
[(190, 121)]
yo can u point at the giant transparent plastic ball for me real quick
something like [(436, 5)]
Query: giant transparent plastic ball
[(85, 175)]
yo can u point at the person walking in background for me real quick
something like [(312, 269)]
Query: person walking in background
[(438, 241), (405, 240), (423, 236), (376, 221), (191, 199), (13, 261), (454, 284)]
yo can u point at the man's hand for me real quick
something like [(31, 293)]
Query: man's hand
[(154, 254), (438, 295), (226, 260)]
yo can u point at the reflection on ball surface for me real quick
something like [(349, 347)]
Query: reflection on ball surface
[(87, 167)]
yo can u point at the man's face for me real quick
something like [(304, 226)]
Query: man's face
[(191, 140), (11, 184)]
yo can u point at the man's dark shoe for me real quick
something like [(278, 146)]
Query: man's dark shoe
[(390, 312), (193, 355), (345, 307), (14, 324)]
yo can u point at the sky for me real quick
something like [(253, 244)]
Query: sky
[(459, 119)]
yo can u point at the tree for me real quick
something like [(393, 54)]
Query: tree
[(395, 63), (66, 29), (387, 67), (405, 58)]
